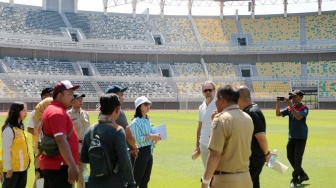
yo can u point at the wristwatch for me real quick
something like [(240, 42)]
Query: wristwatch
[(205, 181)]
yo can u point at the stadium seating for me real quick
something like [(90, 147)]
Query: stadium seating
[(138, 88), (321, 27), (215, 30), (110, 27), (321, 68), (193, 89), (279, 69), (271, 89), (39, 67), (128, 69), (175, 30), (25, 21), (5, 91), (221, 70), (327, 89), (272, 29), (188, 70)]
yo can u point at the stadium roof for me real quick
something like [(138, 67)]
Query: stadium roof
[(198, 7)]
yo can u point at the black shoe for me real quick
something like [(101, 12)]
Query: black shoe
[(293, 183), (303, 177)]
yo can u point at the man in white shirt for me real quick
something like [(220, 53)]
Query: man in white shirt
[(33, 129), (204, 119)]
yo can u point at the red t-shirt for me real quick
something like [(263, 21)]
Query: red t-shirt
[(56, 121)]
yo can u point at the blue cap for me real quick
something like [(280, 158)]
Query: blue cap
[(115, 89)]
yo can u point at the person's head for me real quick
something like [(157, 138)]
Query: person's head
[(47, 92), (117, 90), (16, 114), (110, 105), (208, 90), (63, 92), (226, 96), (244, 97), (77, 102), (296, 96), (142, 106)]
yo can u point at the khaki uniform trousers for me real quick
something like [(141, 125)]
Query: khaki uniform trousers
[(238, 180)]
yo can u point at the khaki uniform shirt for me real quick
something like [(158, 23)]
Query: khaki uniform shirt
[(231, 135), (80, 120)]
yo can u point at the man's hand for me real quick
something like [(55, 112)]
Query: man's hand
[(204, 185), (134, 152), (73, 174), (9, 174), (288, 102)]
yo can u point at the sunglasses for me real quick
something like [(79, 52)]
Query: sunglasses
[(146, 104), (207, 90)]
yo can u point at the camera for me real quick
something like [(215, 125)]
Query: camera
[(281, 98), (290, 97)]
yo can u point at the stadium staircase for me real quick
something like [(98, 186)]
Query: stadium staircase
[(198, 36), (65, 20), (237, 70), (303, 69), (239, 27), (205, 69), (95, 85), (303, 36), (77, 68), (3, 67)]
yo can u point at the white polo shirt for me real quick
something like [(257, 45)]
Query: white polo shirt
[(204, 116), (31, 120)]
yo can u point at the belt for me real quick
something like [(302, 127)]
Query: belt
[(80, 141), (221, 172)]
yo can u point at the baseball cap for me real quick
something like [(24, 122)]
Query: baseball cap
[(115, 89), (297, 92), (64, 85), (141, 100), (47, 90), (78, 95)]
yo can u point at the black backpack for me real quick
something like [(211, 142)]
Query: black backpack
[(98, 153)]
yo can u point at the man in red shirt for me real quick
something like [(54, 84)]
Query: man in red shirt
[(61, 170)]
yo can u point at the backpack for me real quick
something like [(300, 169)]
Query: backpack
[(99, 159)]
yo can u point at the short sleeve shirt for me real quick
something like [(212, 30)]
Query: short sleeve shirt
[(122, 120), (57, 122), (298, 129), (204, 116), (80, 120), (259, 124), (231, 135)]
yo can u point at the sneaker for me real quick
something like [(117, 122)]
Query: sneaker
[(293, 183), (303, 177)]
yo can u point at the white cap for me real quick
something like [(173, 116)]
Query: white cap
[(141, 100)]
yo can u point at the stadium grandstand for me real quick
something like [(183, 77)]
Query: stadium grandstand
[(167, 57)]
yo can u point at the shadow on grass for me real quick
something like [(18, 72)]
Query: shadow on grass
[(303, 185)]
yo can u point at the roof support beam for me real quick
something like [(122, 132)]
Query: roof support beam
[(134, 3), (252, 8), (190, 3), (162, 4), (319, 7), (285, 8), (221, 9)]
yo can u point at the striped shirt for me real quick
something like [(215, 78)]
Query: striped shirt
[(140, 128)]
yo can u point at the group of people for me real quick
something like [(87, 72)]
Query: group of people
[(231, 137), (60, 115)]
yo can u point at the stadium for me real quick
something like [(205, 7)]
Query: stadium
[(166, 57)]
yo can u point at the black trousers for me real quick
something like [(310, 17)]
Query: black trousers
[(18, 180), (56, 178), (295, 150), (256, 165), (143, 167)]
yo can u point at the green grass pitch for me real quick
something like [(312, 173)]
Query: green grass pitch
[(173, 167)]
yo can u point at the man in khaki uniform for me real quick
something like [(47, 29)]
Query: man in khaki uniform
[(230, 144), (80, 119)]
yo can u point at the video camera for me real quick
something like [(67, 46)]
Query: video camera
[(284, 98)]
